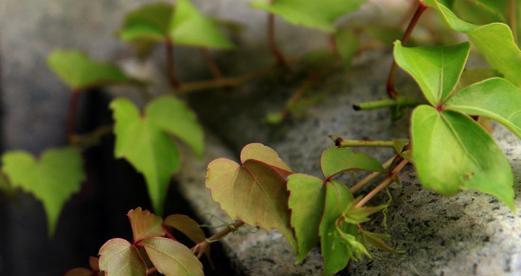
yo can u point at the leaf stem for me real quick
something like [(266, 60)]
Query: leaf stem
[(201, 247), (398, 101), (391, 92), (272, 43), (223, 82), (388, 180), (212, 65), (91, 138), (360, 184), (340, 142), (170, 64), (72, 113)]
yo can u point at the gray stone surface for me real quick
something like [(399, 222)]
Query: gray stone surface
[(468, 234)]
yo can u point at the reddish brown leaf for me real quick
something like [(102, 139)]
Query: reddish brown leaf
[(145, 224)]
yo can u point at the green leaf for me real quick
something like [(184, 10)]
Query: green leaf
[(452, 152), (335, 252), (494, 41), (320, 15), (494, 98), (187, 226), (52, 179), (189, 27), (176, 118), (435, 69), (306, 201), (336, 160), (254, 191), (149, 22), (147, 147), (120, 258), (172, 258), (145, 224), (347, 43), (79, 71)]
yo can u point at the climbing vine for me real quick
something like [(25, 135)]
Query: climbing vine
[(449, 146)]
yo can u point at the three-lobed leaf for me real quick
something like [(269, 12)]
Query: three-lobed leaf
[(320, 15), (145, 224), (118, 257), (172, 258), (437, 70), (452, 152), (253, 191), (145, 142), (189, 27), (336, 160), (52, 179), (79, 71)]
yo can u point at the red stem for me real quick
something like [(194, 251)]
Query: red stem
[(170, 64), (277, 54), (72, 113), (212, 65), (391, 92)]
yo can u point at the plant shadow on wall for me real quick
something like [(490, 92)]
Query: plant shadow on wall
[(449, 145)]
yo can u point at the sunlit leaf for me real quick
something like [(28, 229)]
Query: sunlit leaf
[(320, 15), (494, 98), (149, 22), (306, 201), (254, 191), (147, 147), (334, 250), (336, 160), (262, 153), (52, 179), (494, 41), (176, 118), (435, 69), (145, 224), (120, 258), (187, 226), (172, 258), (189, 27), (79, 71), (452, 152)]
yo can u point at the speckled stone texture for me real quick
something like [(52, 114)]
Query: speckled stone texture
[(468, 234)]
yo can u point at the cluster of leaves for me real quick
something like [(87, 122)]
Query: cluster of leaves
[(145, 140), (263, 191), (153, 248), (473, 160)]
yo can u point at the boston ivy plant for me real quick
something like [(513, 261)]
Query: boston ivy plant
[(470, 159), (448, 147)]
